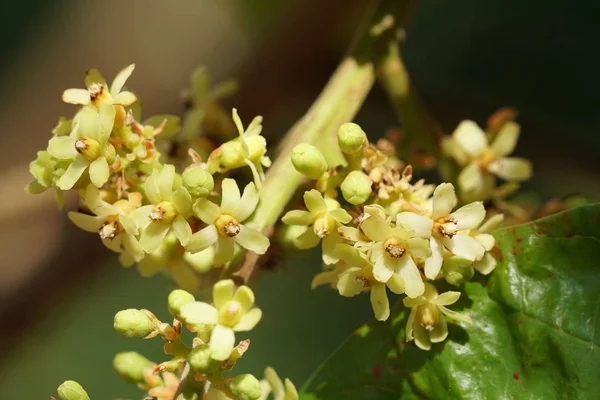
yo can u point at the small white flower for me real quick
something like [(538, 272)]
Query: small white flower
[(225, 223)]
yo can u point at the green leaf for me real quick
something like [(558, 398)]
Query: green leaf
[(534, 335)]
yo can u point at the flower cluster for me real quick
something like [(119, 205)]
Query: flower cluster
[(138, 193), (213, 353), (392, 234)]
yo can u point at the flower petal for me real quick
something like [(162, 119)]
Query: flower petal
[(153, 236), (486, 240), (223, 292), (340, 215), (128, 224), (315, 202), (511, 168), (247, 203), (491, 224), (486, 265), (72, 174), (506, 139), (151, 187), (379, 302), (469, 216), (421, 336), (328, 248), (222, 341), (89, 223), (165, 182), (410, 324), (252, 240), (376, 228), (419, 248), (444, 200), (464, 246), (307, 240), (230, 196), (470, 137), (62, 147), (383, 269), (349, 233), (446, 298), (99, 172), (224, 251), (133, 247), (182, 229), (199, 313), (440, 330), (76, 96), (106, 121), (348, 284), (93, 76), (245, 297), (120, 79), (141, 216), (470, 178), (434, 263), (396, 284), (413, 282), (298, 217), (124, 99), (87, 123), (114, 244), (182, 200), (202, 239), (350, 255), (456, 316), (206, 210), (248, 320), (420, 226)]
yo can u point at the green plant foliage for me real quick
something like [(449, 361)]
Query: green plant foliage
[(534, 335)]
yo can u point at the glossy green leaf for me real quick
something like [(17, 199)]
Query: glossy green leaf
[(534, 335)]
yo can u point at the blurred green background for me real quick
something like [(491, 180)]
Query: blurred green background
[(59, 289)]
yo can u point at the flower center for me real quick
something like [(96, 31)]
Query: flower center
[(230, 313), (164, 211), (89, 148), (227, 226), (96, 90), (324, 226), (394, 248), (445, 227), (109, 230), (486, 158), (429, 316)]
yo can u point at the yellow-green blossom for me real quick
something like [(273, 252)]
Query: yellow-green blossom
[(97, 91), (451, 229), (225, 226), (232, 312), (482, 234), (323, 218), (87, 148), (426, 323), (272, 384)]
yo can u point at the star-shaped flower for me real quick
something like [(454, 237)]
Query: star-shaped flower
[(225, 226), (97, 91)]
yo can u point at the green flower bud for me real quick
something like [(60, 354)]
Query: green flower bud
[(356, 188), (133, 323), (245, 387), (131, 365), (351, 138), (309, 161), (200, 360), (198, 181), (71, 390), (457, 270), (177, 299)]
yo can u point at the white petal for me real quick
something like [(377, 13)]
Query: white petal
[(182, 200), (133, 247), (114, 244), (153, 236), (413, 282), (396, 284), (76, 96), (470, 178), (464, 246), (350, 256), (72, 174), (89, 223), (469, 216), (491, 224), (165, 182), (376, 228), (348, 284), (223, 292), (248, 320), (382, 271), (486, 265), (486, 240), (298, 217), (307, 240), (182, 229), (141, 216), (434, 263), (420, 226), (329, 244), (202, 239), (511, 168), (247, 203), (151, 187), (340, 215), (230, 196), (252, 240), (128, 224), (379, 302), (245, 297), (314, 202), (470, 137), (120, 79), (224, 251), (99, 172), (222, 341), (506, 139), (206, 210), (199, 313), (419, 248), (124, 99), (444, 200), (62, 147)]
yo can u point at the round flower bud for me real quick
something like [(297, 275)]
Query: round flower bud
[(177, 299), (309, 161), (199, 358), (71, 390), (457, 270), (133, 323), (131, 365), (351, 138), (356, 188), (198, 181), (245, 387)]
